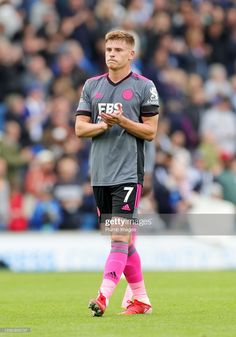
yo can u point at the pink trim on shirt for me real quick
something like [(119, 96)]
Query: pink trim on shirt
[(138, 195), (140, 76), (97, 77)]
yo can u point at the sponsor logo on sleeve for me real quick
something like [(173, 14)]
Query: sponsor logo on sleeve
[(154, 98)]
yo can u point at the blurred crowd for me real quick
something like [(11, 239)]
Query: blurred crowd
[(48, 48)]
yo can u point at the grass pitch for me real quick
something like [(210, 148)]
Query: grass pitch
[(185, 304)]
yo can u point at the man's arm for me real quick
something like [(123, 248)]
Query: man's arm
[(146, 130), (84, 127)]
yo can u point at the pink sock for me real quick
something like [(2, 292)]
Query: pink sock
[(139, 292), (133, 270), (114, 267), (134, 276)]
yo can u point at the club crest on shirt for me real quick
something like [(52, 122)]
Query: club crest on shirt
[(127, 94)]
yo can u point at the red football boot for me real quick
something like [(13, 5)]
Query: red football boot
[(136, 307), (98, 305)]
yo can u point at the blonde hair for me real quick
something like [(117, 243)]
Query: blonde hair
[(120, 35)]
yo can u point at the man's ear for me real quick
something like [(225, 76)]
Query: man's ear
[(132, 54)]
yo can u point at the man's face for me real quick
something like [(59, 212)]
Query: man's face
[(118, 54)]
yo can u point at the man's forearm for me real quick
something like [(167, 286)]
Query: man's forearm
[(87, 130), (140, 130)]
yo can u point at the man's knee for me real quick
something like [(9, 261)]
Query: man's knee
[(119, 237)]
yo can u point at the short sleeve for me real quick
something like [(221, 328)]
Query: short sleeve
[(84, 106), (150, 102)]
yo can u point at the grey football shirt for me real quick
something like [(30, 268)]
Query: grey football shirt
[(117, 157)]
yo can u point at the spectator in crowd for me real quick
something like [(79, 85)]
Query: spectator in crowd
[(233, 95), (216, 36), (40, 10), (220, 122), (75, 23), (108, 14), (8, 10), (35, 112), (18, 220), (47, 212), (16, 156), (15, 110), (209, 150), (76, 51), (67, 68), (195, 58), (196, 106), (161, 186), (37, 72), (69, 192), (137, 15), (4, 195), (227, 179), (41, 174), (217, 83), (10, 67)]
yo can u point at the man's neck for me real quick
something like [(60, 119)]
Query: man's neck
[(117, 76)]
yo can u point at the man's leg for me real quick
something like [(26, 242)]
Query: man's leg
[(117, 258), (124, 200), (135, 290), (128, 296), (140, 303), (114, 268), (134, 275)]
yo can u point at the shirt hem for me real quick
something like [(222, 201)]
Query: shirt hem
[(131, 181)]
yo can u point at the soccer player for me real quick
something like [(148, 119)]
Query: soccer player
[(119, 110)]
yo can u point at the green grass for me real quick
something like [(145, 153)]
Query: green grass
[(186, 304)]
